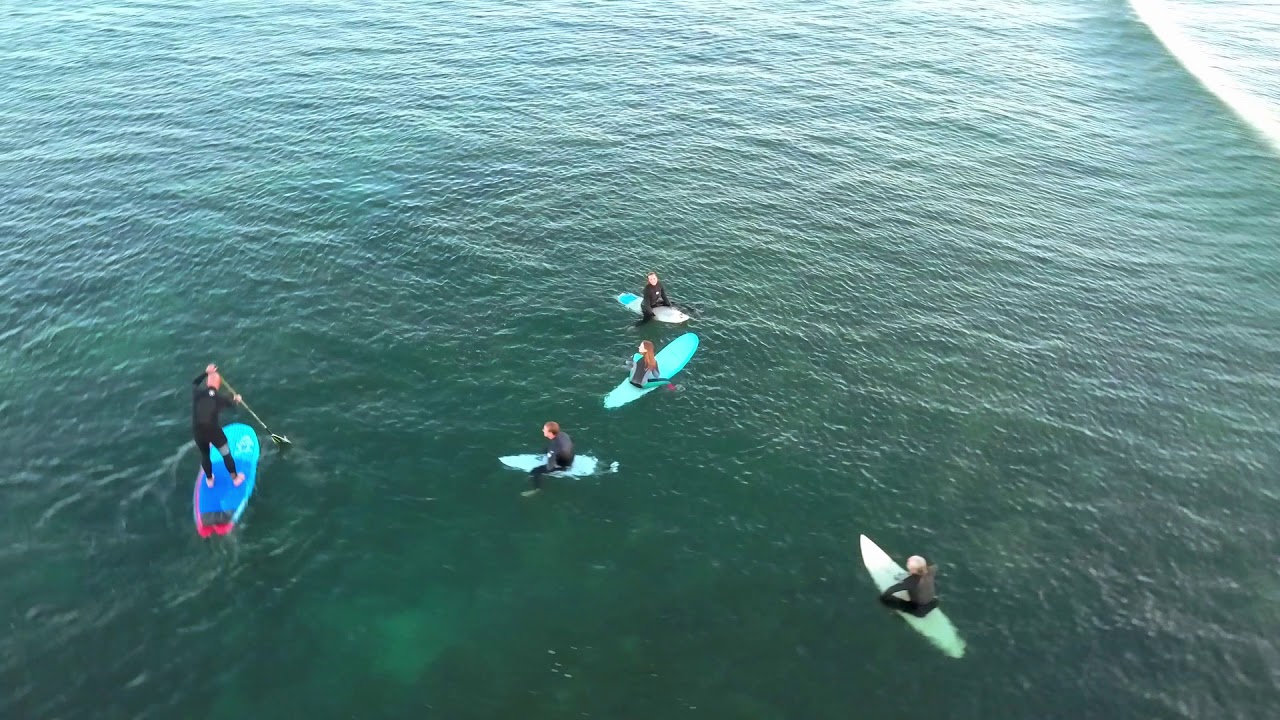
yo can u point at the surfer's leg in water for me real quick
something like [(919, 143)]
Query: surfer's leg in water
[(535, 477)]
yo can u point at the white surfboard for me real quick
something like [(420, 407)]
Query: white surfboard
[(582, 466), (661, 314), (935, 626)]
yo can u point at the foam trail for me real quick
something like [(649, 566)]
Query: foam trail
[(1253, 110)]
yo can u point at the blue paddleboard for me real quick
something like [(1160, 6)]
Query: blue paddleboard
[(217, 509), (671, 360)]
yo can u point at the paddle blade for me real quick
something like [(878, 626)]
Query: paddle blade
[(280, 440)]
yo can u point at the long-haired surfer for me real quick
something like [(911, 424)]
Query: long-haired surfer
[(559, 455), (206, 429), (654, 296), (922, 597), (645, 371)]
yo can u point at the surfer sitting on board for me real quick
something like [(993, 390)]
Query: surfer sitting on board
[(645, 371), (919, 586), (559, 455), (654, 296), (206, 403)]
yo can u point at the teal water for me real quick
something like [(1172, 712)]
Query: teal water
[(993, 283)]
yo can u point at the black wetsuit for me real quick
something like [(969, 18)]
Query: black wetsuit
[(559, 457), (919, 589), (206, 430), (654, 296)]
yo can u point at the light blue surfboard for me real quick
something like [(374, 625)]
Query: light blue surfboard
[(582, 466), (671, 360), (225, 497)]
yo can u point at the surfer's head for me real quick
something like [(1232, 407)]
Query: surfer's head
[(213, 380), (646, 349), (551, 429), (916, 564), (653, 278)]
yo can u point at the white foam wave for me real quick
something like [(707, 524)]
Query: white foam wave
[(1200, 60)]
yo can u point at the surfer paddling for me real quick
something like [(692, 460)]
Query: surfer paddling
[(654, 296), (922, 598), (206, 430), (559, 455)]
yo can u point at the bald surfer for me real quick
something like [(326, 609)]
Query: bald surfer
[(206, 429), (919, 586)]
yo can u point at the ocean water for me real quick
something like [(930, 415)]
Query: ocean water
[(995, 283)]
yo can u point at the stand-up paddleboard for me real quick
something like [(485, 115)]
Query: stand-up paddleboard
[(582, 466), (661, 313), (671, 360), (935, 626), (217, 509)]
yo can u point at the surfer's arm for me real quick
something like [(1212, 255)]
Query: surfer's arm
[(889, 591), (897, 603), (201, 377)]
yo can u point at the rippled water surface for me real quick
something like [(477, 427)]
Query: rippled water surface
[(993, 283)]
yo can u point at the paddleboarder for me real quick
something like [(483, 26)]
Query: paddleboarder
[(919, 586), (206, 429), (645, 371), (559, 455), (654, 296)]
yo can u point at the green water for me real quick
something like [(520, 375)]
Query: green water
[(992, 284)]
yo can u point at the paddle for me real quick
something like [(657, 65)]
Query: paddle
[(277, 439)]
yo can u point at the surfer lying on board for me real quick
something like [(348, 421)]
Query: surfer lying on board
[(654, 296), (206, 403), (919, 586), (559, 455), (645, 371)]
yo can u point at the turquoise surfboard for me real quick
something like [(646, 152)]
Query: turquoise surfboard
[(671, 360)]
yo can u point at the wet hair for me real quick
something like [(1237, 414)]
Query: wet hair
[(650, 362), (552, 427)]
